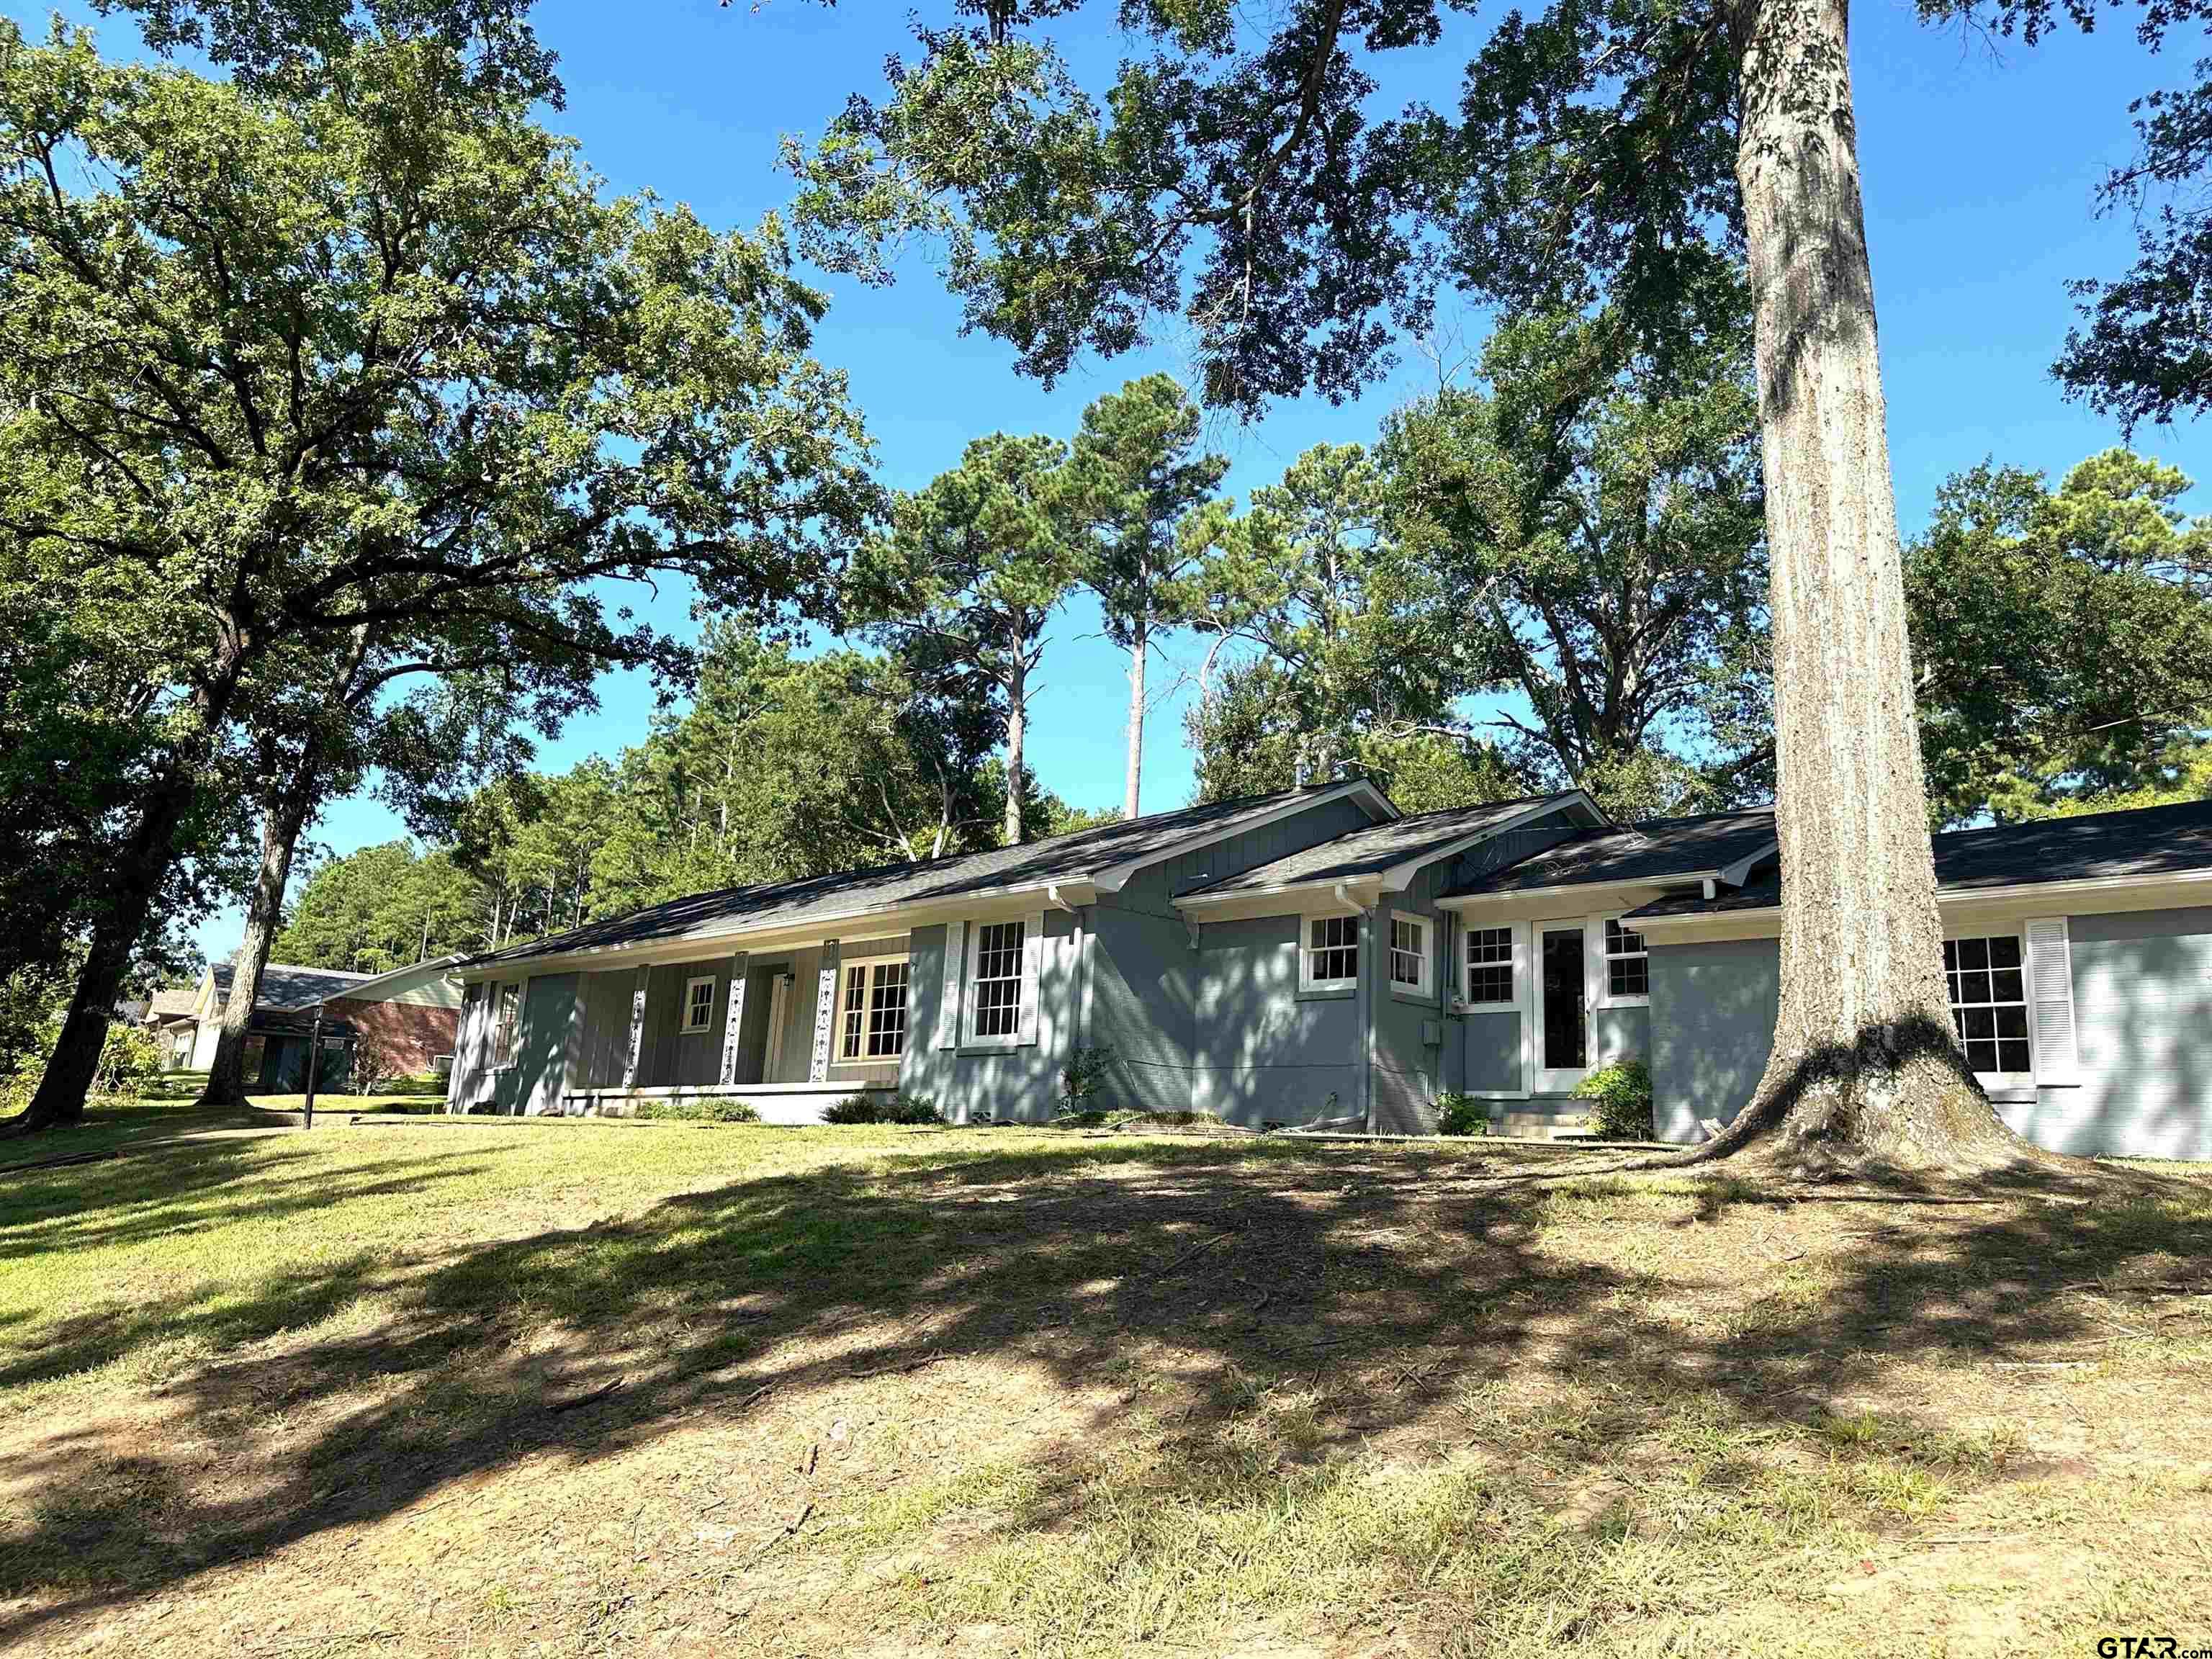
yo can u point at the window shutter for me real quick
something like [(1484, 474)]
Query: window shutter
[(947, 1034), (1032, 954), (2050, 993)]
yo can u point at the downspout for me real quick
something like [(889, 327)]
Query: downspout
[(1362, 1001)]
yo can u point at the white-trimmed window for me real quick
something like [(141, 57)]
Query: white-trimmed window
[(1330, 958), (1987, 980), (1490, 967), (1627, 964), (1409, 953), (505, 1024), (871, 1024), (996, 989), (698, 1004)]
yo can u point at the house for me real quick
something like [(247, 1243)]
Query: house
[(1316, 958), (398, 1023)]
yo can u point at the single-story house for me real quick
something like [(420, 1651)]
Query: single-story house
[(1316, 957), (398, 1023)]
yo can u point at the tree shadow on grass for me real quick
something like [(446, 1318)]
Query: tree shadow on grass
[(1405, 1281)]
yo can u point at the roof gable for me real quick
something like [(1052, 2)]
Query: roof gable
[(1656, 849)]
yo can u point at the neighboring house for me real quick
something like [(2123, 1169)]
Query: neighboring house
[(1315, 958), (396, 1023)]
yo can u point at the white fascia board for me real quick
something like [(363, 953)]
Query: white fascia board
[(1736, 874), (375, 979), (1115, 876), (1289, 898), (1566, 890), (1398, 877)]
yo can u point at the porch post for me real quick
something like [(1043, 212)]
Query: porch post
[(636, 1027), (825, 1013), (734, 1019)]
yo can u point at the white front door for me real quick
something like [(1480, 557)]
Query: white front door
[(779, 1010), (1561, 1019)]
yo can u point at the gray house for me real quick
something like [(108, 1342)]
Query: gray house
[(1314, 957)]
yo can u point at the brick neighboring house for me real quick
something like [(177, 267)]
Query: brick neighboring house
[(374, 1026)]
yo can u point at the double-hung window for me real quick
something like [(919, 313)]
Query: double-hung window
[(874, 1023), (1330, 960), (1490, 967), (1627, 964), (503, 1029), (1409, 954), (997, 987), (698, 1004), (1988, 985)]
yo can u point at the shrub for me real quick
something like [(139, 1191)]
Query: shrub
[(1623, 1097), (1459, 1114), (712, 1109), (899, 1109), (1084, 1077), (129, 1059)]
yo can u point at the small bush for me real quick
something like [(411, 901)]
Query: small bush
[(899, 1109), (710, 1110), (1623, 1097), (1459, 1114), (130, 1060), (1083, 1078)]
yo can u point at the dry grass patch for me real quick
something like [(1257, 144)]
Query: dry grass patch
[(577, 1387)]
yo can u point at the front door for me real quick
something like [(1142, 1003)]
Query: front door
[(1562, 1008)]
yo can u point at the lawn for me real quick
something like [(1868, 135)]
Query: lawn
[(431, 1386)]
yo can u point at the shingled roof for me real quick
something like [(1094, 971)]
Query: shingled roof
[(1074, 857), (1657, 849), (2144, 842), (1379, 847), (284, 985)]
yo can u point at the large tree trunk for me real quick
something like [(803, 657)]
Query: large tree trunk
[(1017, 724), (1140, 648), (143, 867), (1864, 1067), (280, 835)]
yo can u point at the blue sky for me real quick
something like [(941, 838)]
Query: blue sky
[(1979, 170)]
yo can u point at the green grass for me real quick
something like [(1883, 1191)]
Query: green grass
[(572, 1387)]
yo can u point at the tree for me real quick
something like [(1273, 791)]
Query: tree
[(383, 907), (2146, 352), (372, 348), (1597, 510), (967, 582), (1329, 636), (1602, 149), (2064, 637), (1143, 483)]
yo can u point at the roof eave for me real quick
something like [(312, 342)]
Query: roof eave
[(1113, 877)]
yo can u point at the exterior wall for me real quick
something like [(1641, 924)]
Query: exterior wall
[(203, 1042), (2142, 1020), (426, 988), (1712, 1019), (1410, 1027), (971, 1084), (395, 1038), (533, 1084), (1265, 1051), (799, 1035)]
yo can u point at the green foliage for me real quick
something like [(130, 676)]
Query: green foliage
[(384, 907), (867, 1108), (1459, 1114), (129, 1059), (1084, 1077), (1602, 499), (708, 1110), (1622, 1094), (2064, 637)]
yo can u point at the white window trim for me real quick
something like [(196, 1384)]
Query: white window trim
[(506, 1061), (684, 1026), (1517, 932), (971, 1000), (1425, 986), (1306, 981), (1998, 1082), (1602, 984), (874, 966)]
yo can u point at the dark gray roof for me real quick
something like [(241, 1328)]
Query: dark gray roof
[(1376, 847), (793, 903), (2148, 841), (1657, 849), (284, 986)]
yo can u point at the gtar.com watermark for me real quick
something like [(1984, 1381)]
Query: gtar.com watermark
[(2147, 1647)]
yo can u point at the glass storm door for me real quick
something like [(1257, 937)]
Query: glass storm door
[(1562, 1009)]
